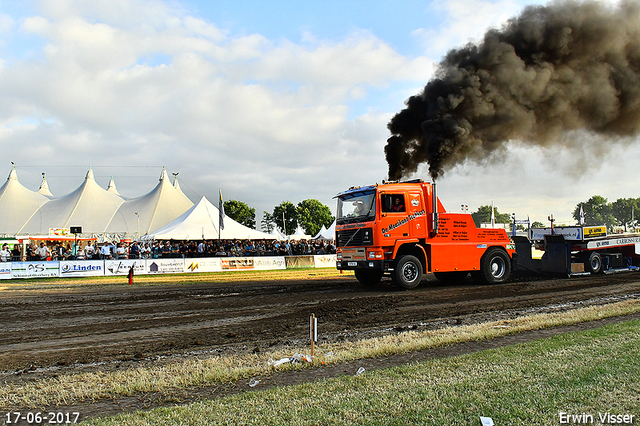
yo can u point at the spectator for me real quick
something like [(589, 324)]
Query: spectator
[(166, 249), (90, 250), (42, 252), (145, 251), (31, 252), (134, 250), (16, 254), (121, 251), (5, 254), (105, 251), (80, 252)]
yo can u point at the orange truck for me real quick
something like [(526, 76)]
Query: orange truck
[(401, 229)]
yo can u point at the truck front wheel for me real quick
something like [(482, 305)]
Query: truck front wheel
[(368, 278), (408, 272), (495, 267)]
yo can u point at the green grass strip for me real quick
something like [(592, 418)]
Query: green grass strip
[(583, 374)]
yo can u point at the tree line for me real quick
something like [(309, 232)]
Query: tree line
[(597, 211), (311, 215)]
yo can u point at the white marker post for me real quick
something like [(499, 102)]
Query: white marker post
[(313, 330)]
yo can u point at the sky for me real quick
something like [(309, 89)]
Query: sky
[(267, 101)]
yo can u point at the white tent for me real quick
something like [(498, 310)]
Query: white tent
[(17, 204), (201, 222), (326, 234), (89, 206), (138, 216), (299, 235)]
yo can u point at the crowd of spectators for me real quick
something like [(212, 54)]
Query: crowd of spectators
[(166, 249)]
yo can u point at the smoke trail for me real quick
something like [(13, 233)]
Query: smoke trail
[(554, 69)]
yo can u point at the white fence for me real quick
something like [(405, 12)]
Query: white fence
[(95, 268)]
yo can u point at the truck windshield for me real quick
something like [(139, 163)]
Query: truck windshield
[(356, 207)]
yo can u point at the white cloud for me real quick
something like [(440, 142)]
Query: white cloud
[(464, 21), (138, 83)]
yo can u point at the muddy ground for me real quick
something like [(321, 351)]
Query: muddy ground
[(48, 332)]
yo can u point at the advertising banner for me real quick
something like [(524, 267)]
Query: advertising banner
[(570, 233), (595, 231), (202, 264), (122, 266), (269, 263), (237, 263), (325, 261), (81, 268), (165, 266), (35, 269), (59, 232), (5, 271), (294, 262)]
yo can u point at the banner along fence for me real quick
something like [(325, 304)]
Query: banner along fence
[(111, 267)]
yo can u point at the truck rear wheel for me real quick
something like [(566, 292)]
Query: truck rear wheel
[(368, 277), (495, 267), (408, 272), (594, 263)]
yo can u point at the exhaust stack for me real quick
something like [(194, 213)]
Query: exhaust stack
[(434, 199)]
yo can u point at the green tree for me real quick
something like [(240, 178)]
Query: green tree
[(241, 213), (483, 215), (312, 215), (625, 210), (267, 224), (597, 211), (537, 224), (285, 217)]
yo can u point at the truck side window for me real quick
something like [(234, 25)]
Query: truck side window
[(393, 203)]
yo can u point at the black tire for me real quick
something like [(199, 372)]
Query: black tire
[(368, 277), (594, 263), (495, 267), (454, 277), (408, 272)]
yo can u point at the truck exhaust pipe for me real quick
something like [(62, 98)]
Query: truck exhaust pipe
[(434, 199)]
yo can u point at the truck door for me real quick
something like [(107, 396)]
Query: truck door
[(394, 221), (416, 214)]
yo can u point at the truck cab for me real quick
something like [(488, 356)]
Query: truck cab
[(402, 230)]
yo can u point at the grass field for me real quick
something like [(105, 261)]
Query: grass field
[(587, 373)]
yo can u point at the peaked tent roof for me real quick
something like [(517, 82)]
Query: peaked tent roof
[(44, 187), (299, 235), (153, 210), (201, 222), (89, 206), (17, 204), (112, 187), (327, 234)]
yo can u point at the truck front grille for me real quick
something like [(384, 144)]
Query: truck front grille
[(354, 237)]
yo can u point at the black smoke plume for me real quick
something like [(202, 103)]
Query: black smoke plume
[(552, 70)]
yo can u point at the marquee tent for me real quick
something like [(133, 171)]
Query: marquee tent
[(99, 212), (89, 206), (201, 222), (17, 204), (138, 216), (326, 234)]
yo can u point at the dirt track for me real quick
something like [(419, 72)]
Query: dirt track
[(88, 325), (50, 332)]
